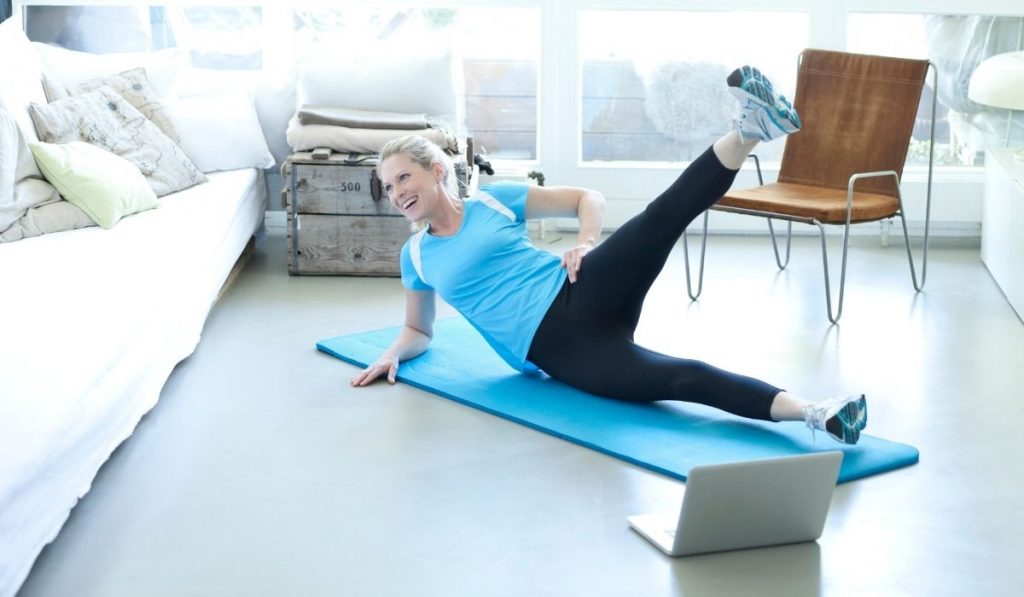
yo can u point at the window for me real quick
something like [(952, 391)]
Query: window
[(216, 37), (653, 82), (219, 37), (98, 29)]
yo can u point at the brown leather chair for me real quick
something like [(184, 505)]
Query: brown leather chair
[(844, 166)]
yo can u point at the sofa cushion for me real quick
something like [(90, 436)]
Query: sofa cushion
[(134, 87), (105, 186), (20, 78), (220, 133), (21, 184), (104, 118)]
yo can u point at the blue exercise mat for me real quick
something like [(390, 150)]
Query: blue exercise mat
[(666, 437)]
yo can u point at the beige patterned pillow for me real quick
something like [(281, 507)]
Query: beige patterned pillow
[(134, 87), (105, 119)]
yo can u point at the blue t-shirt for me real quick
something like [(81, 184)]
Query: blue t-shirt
[(489, 271)]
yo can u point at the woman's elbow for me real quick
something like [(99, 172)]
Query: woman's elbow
[(594, 200)]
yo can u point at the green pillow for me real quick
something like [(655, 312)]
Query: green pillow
[(105, 186)]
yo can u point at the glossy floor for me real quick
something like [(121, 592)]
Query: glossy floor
[(260, 472)]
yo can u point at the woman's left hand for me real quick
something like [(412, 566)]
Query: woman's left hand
[(573, 259)]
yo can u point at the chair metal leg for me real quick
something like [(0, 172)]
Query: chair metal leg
[(846, 238), (928, 199), (842, 272), (775, 244), (910, 255), (686, 258)]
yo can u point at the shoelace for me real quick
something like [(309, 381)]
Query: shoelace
[(811, 415)]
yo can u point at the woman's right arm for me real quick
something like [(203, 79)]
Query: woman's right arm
[(413, 340)]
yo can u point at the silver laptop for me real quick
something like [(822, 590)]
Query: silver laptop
[(739, 505)]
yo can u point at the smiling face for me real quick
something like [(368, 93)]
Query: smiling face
[(412, 189)]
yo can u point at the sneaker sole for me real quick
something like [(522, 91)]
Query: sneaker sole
[(765, 91), (854, 417)]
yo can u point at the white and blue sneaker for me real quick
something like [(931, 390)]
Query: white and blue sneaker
[(763, 115), (842, 417)]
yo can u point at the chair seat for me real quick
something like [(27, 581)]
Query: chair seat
[(828, 206)]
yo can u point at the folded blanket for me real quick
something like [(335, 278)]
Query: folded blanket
[(57, 216), (304, 137), (361, 119)]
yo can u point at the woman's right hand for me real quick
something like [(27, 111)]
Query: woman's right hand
[(385, 365), (412, 340)]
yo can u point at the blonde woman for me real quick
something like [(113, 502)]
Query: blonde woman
[(573, 317)]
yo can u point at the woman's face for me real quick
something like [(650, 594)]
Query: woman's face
[(412, 189)]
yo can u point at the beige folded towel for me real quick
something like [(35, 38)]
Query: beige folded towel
[(362, 119), (303, 137)]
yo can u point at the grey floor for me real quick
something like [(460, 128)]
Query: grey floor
[(260, 472)]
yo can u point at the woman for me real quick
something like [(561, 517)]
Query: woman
[(574, 317)]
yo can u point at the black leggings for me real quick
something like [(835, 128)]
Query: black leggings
[(586, 337)]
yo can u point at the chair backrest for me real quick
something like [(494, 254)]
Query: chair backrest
[(857, 114)]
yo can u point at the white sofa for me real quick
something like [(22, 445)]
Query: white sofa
[(93, 322)]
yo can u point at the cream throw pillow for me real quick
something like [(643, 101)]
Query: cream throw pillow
[(107, 120), (105, 186)]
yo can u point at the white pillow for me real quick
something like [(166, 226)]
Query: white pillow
[(274, 92), (69, 68), (387, 80), (275, 105), (21, 77), (220, 132)]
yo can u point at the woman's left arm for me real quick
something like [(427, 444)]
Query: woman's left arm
[(584, 204)]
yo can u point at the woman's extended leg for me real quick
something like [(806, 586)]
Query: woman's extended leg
[(585, 339), (600, 360), (618, 273), (597, 359)]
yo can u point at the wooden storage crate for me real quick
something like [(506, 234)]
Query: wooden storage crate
[(342, 222)]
